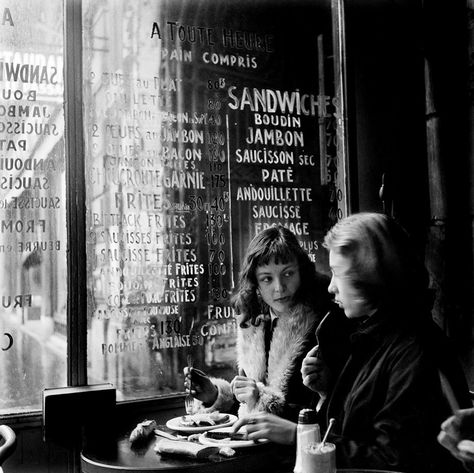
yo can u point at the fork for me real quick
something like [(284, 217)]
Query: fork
[(189, 399)]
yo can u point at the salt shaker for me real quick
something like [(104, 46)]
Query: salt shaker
[(307, 432)]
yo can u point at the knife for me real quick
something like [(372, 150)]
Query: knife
[(212, 434), (167, 435)]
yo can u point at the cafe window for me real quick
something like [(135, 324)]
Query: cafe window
[(203, 123), (32, 203)]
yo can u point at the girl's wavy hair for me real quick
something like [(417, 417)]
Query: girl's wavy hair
[(386, 268), (281, 245)]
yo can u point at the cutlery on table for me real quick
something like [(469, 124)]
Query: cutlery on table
[(212, 434), (167, 435), (189, 400)]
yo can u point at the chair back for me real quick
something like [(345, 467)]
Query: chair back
[(7, 443)]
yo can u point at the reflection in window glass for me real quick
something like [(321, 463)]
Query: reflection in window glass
[(32, 203), (205, 122)]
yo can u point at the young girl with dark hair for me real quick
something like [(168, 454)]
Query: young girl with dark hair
[(279, 302)]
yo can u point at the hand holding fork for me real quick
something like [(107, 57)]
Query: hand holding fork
[(199, 385)]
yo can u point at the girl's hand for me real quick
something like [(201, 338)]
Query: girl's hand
[(199, 385), (245, 390), (268, 426), (316, 374), (456, 434), (466, 454)]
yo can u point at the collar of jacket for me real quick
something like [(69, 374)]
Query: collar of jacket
[(373, 330), (288, 342)]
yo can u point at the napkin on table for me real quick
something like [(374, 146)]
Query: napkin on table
[(183, 448)]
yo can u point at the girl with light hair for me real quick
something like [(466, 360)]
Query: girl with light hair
[(401, 377)]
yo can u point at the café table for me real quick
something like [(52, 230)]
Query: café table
[(359, 470), (119, 456)]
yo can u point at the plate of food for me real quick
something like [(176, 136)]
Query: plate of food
[(196, 423), (224, 437)]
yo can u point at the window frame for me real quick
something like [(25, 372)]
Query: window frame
[(76, 198), (75, 212), (76, 253)]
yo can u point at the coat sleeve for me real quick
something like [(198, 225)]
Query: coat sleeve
[(225, 401), (270, 400), (405, 421)]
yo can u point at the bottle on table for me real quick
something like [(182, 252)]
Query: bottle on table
[(307, 433)]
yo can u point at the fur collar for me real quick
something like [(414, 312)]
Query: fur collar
[(288, 343)]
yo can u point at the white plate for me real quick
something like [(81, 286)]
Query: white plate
[(229, 443), (175, 424)]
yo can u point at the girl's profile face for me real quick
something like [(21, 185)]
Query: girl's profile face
[(278, 284), (346, 296)]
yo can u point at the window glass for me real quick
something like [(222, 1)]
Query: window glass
[(205, 121), (32, 203)]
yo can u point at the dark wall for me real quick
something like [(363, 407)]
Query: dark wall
[(446, 40), (386, 107), (408, 117)]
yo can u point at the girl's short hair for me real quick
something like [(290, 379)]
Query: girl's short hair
[(386, 268), (281, 245)]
